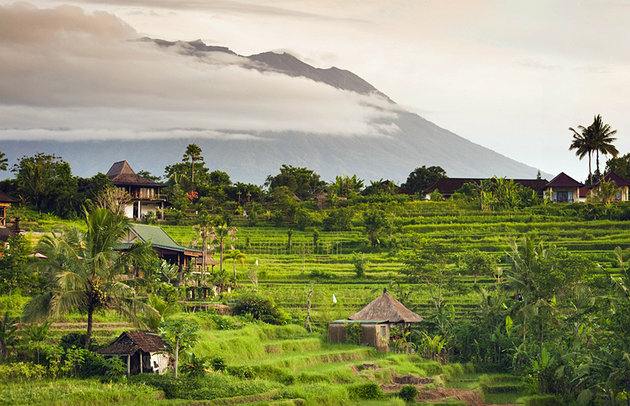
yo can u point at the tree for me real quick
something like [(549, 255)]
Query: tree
[(192, 154), (582, 143), (180, 334), (376, 223), (304, 183), (8, 334), (204, 228), (148, 175), (4, 162), (85, 269), (15, 273), (46, 182), (478, 263), (606, 192), (603, 138), (422, 178), (619, 165), (346, 186), (381, 187), (113, 199), (235, 256)]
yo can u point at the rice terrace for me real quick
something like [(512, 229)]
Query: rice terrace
[(190, 224)]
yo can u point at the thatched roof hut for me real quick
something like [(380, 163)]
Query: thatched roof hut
[(386, 309)]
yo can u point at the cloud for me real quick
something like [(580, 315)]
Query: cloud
[(87, 72)]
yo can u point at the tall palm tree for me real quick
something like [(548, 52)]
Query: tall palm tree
[(603, 138), (582, 144), (85, 272), (235, 255), (192, 154), (4, 163)]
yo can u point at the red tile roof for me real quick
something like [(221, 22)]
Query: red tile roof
[(563, 180), (618, 180), (121, 174)]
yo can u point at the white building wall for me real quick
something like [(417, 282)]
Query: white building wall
[(160, 362)]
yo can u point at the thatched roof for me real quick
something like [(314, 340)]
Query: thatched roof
[(131, 341), (386, 308), (121, 174)]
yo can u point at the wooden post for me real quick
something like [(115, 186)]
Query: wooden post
[(128, 364), (140, 354)]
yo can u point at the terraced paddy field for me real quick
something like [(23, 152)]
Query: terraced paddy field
[(287, 273)]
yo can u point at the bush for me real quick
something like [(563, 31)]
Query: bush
[(196, 366), (218, 364), (365, 391), (259, 307), (243, 372), (408, 393), (21, 372), (111, 369), (73, 340)]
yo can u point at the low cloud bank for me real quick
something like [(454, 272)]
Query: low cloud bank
[(67, 74)]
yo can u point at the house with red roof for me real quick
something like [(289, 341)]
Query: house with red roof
[(623, 194), (563, 189)]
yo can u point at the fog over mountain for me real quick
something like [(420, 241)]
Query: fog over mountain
[(411, 142), (90, 88)]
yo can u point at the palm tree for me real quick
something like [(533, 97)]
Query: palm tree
[(4, 163), (603, 138), (192, 154), (86, 270), (582, 144), (235, 255)]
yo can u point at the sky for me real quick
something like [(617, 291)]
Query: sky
[(510, 75)]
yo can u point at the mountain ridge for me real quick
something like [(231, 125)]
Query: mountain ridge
[(417, 142)]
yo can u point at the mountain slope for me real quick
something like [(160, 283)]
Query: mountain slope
[(419, 142)]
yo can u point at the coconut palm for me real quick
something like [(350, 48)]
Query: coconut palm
[(602, 139), (582, 144), (192, 154), (85, 272)]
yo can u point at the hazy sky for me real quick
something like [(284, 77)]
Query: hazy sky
[(510, 75)]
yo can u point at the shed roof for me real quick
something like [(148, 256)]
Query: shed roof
[(121, 174), (563, 180), (448, 186), (388, 309), (157, 237), (131, 341), (5, 198)]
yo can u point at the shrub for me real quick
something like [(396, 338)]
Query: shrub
[(408, 393), (196, 366), (243, 372), (21, 371), (111, 369), (365, 391), (259, 307), (218, 364), (73, 340), (360, 264)]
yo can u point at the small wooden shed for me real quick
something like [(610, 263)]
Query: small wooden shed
[(141, 351), (375, 320)]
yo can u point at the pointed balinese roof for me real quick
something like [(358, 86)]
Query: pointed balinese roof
[(618, 180), (563, 180), (387, 309), (121, 174)]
